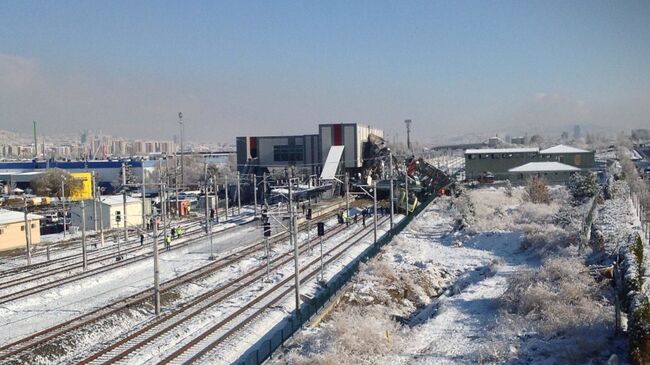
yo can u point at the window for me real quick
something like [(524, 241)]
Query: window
[(33, 225), (505, 155), (470, 156), (288, 153), (22, 228)]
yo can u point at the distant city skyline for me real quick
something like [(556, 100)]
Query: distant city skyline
[(255, 68)]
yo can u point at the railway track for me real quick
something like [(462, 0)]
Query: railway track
[(195, 236), (209, 339), (77, 256), (42, 337)]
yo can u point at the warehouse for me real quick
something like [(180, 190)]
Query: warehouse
[(553, 172), (12, 229), (499, 161), (306, 152)]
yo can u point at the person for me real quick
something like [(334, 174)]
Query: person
[(141, 239), (168, 242), (212, 213), (356, 216), (303, 208), (179, 232), (363, 218), (173, 232)]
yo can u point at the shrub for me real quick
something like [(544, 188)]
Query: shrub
[(537, 191)]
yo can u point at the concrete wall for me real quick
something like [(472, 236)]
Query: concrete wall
[(12, 235)]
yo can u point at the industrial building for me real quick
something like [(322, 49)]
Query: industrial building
[(12, 229), (503, 163), (107, 172), (306, 151)]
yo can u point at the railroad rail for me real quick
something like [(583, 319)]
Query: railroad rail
[(76, 256), (44, 336), (194, 236), (209, 339)]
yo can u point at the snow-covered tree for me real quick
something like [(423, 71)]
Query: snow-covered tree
[(537, 191), (583, 185)]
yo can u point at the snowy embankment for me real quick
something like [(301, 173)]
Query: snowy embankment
[(484, 278)]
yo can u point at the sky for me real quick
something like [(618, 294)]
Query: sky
[(281, 67)]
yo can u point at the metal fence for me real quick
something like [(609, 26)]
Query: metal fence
[(273, 339)]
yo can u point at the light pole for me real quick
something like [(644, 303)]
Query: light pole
[(406, 186), (142, 191), (94, 186), (347, 195)]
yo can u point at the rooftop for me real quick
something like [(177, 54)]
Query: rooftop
[(10, 216), (502, 150), (117, 199), (563, 149), (543, 166)]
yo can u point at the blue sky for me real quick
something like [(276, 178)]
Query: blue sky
[(258, 67)]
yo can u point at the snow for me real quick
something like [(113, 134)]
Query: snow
[(10, 216), (563, 149), (543, 166), (470, 270), (502, 150)]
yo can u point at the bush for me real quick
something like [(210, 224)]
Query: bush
[(560, 310), (537, 191), (583, 186)]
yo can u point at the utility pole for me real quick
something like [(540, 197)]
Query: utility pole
[(156, 272), (374, 210), (142, 191), (390, 168), (254, 195), (180, 121), (294, 241), (238, 193), (101, 217), (126, 234), (321, 233), (208, 227), (63, 206), (94, 185), (163, 208), (226, 191), (83, 235), (28, 234), (347, 194)]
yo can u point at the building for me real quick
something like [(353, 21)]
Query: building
[(553, 172), (306, 151), (107, 172), (499, 162), (112, 213), (12, 229)]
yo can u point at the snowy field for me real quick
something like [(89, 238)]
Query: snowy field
[(485, 278)]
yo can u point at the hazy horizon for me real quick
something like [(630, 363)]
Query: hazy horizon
[(255, 68)]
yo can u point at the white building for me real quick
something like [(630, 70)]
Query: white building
[(112, 212)]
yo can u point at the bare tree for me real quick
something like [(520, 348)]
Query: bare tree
[(537, 191), (52, 181)]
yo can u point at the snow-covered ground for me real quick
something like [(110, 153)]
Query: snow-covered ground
[(438, 295)]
